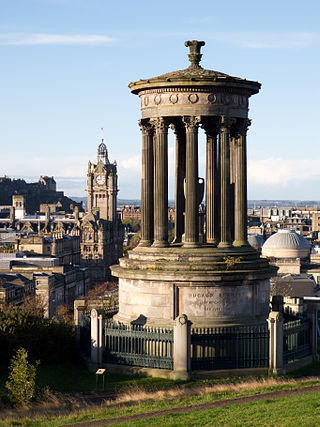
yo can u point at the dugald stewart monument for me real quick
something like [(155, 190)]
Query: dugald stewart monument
[(219, 280)]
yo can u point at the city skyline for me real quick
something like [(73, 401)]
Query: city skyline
[(67, 65)]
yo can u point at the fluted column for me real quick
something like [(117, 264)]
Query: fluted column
[(180, 174), (147, 184), (241, 184), (160, 182), (224, 142), (191, 190), (211, 127)]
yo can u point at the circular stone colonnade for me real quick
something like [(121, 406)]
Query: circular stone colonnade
[(222, 281)]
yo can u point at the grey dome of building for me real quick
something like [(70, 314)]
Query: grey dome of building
[(286, 244), (256, 241)]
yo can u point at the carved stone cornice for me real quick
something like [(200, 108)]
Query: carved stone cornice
[(160, 125), (191, 123)]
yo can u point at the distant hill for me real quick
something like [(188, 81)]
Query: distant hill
[(251, 203), (282, 203)]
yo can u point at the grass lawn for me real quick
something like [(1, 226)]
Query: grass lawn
[(303, 410), (140, 395), (289, 411)]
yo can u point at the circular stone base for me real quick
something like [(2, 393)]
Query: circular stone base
[(212, 286)]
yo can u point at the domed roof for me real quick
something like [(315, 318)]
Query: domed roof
[(195, 75), (286, 239)]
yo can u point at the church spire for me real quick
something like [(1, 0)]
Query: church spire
[(102, 151)]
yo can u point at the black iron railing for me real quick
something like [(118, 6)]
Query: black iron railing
[(296, 340), (136, 345), (230, 347)]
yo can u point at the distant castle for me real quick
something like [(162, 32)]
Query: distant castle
[(35, 193)]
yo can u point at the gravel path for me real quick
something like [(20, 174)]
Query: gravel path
[(201, 407)]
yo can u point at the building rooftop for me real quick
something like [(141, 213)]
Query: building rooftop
[(286, 239)]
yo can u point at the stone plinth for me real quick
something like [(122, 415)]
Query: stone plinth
[(211, 286)]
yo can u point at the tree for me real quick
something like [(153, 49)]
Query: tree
[(21, 382)]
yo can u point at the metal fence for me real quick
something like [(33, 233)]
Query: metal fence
[(136, 345), (296, 340), (230, 347)]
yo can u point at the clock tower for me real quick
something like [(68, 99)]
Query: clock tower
[(102, 186), (101, 229)]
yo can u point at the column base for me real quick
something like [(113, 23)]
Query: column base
[(212, 242), (240, 243), (225, 245), (191, 245), (160, 244), (145, 243)]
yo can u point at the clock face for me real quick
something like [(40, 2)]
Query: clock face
[(100, 179)]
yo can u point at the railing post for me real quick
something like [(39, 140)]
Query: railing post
[(101, 346), (97, 317), (181, 347), (275, 324), (79, 307)]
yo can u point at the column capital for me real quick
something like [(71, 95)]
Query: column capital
[(145, 126), (226, 123), (191, 122), (160, 124), (178, 128), (211, 125), (241, 127)]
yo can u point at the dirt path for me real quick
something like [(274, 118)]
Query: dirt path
[(201, 407)]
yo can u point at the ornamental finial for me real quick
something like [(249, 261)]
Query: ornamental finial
[(194, 55)]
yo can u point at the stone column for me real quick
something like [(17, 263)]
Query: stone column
[(240, 209), (212, 181), (160, 183), (192, 208), (147, 184), (224, 142), (180, 175), (181, 347)]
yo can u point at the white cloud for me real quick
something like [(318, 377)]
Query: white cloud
[(53, 39), (133, 163), (282, 172)]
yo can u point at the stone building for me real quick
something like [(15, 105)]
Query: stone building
[(287, 250), (102, 233), (55, 284), (65, 247)]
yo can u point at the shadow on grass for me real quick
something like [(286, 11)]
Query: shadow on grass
[(311, 370)]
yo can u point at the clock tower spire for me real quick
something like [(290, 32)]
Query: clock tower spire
[(102, 185)]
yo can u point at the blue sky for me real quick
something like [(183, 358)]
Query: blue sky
[(66, 65)]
